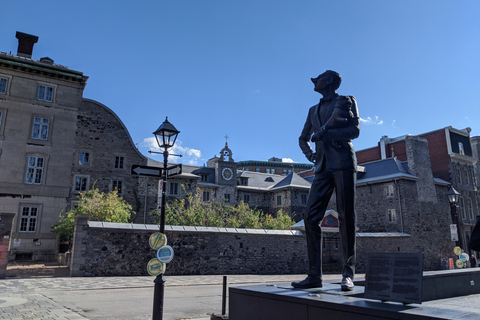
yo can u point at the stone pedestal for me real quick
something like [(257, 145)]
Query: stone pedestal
[(6, 220), (450, 294)]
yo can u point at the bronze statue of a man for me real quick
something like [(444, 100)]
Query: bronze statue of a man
[(331, 125)]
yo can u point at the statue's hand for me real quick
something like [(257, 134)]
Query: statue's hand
[(312, 157), (319, 135)]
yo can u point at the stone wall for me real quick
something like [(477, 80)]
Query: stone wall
[(118, 249)]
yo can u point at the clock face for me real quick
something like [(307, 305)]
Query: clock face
[(227, 173)]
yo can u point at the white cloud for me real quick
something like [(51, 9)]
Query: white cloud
[(369, 120), (190, 155), (288, 160), (256, 91)]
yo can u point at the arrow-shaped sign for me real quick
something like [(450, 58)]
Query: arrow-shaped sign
[(146, 171), (174, 170)]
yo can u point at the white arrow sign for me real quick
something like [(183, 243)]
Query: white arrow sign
[(146, 171)]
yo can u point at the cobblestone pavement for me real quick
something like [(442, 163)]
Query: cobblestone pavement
[(23, 292)]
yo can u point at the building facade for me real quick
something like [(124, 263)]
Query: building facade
[(39, 102), (452, 159)]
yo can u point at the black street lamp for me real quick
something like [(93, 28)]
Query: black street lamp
[(453, 196), (166, 136)]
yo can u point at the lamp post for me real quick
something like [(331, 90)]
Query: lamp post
[(453, 196), (166, 136)]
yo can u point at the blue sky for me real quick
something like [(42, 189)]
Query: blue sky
[(243, 68)]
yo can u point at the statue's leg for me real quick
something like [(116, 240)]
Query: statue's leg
[(318, 198), (345, 192)]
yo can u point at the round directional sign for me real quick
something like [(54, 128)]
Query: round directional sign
[(460, 264), (157, 240), (464, 257), (165, 254), (155, 267), (457, 250)]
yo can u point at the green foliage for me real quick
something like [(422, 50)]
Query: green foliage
[(107, 207), (193, 212)]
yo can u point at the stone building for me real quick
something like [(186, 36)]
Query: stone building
[(55, 144), (39, 103), (452, 159), (221, 180)]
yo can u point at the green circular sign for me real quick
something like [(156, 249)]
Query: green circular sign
[(157, 240), (155, 267)]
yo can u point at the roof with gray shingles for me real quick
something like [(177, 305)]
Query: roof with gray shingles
[(390, 168)]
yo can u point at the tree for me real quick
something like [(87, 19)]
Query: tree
[(191, 211), (99, 206)]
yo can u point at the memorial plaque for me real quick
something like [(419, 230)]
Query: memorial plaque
[(394, 277)]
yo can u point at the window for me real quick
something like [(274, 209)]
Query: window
[(204, 177), (469, 208), (246, 198), (461, 150), (117, 185), (389, 190), (467, 178), (28, 219), (257, 169), (81, 183), (285, 172), (3, 85), (227, 197), (206, 196), (40, 128), (279, 200), (273, 171), (289, 171), (391, 215), (459, 175), (268, 171), (461, 207), (1, 117), (304, 199), (83, 158), (35, 168), (173, 190), (119, 160), (45, 93), (243, 181), (247, 169)]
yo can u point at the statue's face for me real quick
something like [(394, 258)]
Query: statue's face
[(321, 82)]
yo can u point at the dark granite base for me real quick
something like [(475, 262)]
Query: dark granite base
[(282, 302)]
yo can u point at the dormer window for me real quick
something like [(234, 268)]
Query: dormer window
[(204, 177), (243, 181)]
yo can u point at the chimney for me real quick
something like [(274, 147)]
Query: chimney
[(25, 44)]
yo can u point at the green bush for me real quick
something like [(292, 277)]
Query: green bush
[(99, 206), (193, 212)]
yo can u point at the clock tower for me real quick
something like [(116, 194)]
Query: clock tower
[(226, 169)]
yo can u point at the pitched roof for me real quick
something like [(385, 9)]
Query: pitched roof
[(389, 168), (292, 180)]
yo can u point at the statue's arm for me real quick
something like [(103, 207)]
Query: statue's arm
[(350, 131), (304, 140)]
